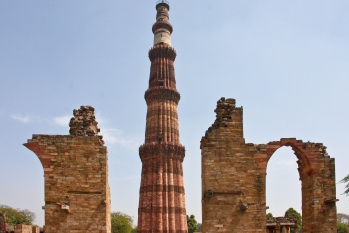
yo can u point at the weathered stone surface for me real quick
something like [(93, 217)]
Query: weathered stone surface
[(84, 122), (23, 229), (281, 224), (35, 229), (2, 223), (234, 174), (77, 196), (162, 198), (9, 228)]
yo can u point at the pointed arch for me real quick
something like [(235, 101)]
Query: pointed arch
[(317, 174)]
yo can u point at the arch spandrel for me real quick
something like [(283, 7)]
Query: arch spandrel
[(308, 153)]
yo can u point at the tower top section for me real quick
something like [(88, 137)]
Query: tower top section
[(162, 28), (162, 3)]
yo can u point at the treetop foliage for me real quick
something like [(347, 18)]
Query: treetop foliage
[(121, 223), (346, 180), (17, 216), (199, 227), (343, 218), (192, 224), (293, 213), (342, 228)]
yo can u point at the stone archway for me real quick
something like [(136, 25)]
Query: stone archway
[(317, 174), (234, 178)]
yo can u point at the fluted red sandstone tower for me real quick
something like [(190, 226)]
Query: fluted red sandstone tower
[(162, 203)]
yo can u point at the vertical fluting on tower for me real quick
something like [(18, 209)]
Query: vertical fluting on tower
[(162, 199)]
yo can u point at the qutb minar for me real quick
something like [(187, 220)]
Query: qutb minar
[(162, 199)]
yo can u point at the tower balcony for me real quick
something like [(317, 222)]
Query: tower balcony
[(162, 24)]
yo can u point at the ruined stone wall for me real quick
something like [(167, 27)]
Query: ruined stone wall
[(2, 223), (77, 196), (23, 229), (230, 178), (234, 176), (35, 229)]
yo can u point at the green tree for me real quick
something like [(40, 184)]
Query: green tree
[(199, 227), (343, 218), (17, 216), (342, 228), (192, 224), (269, 215), (121, 223), (293, 213), (346, 180)]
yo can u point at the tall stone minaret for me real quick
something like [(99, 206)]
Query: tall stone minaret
[(162, 202)]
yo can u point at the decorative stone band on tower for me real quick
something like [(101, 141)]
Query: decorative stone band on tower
[(77, 196), (162, 199)]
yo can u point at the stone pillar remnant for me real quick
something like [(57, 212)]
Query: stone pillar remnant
[(35, 229), (23, 229), (2, 223), (77, 196)]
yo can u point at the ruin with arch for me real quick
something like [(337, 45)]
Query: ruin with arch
[(234, 179), (77, 193), (77, 196)]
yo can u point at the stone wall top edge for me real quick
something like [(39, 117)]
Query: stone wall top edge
[(255, 145), (56, 137), (38, 136), (222, 131), (294, 140)]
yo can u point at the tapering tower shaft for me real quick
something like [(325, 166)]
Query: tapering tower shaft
[(162, 199)]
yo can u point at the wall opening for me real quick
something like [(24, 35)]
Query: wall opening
[(283, 187)]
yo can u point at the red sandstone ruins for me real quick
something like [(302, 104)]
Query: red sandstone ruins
[(77, 196), (4, 228), (281, 224), (234, 174), (161, 201), (2, 223)]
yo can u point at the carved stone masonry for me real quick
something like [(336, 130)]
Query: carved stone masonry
[(2, 223), (77, 194), (84, 122), (162, 198), (281, 224), (224, 109)]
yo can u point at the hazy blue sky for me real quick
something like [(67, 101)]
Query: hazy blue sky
[(286, 62)]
